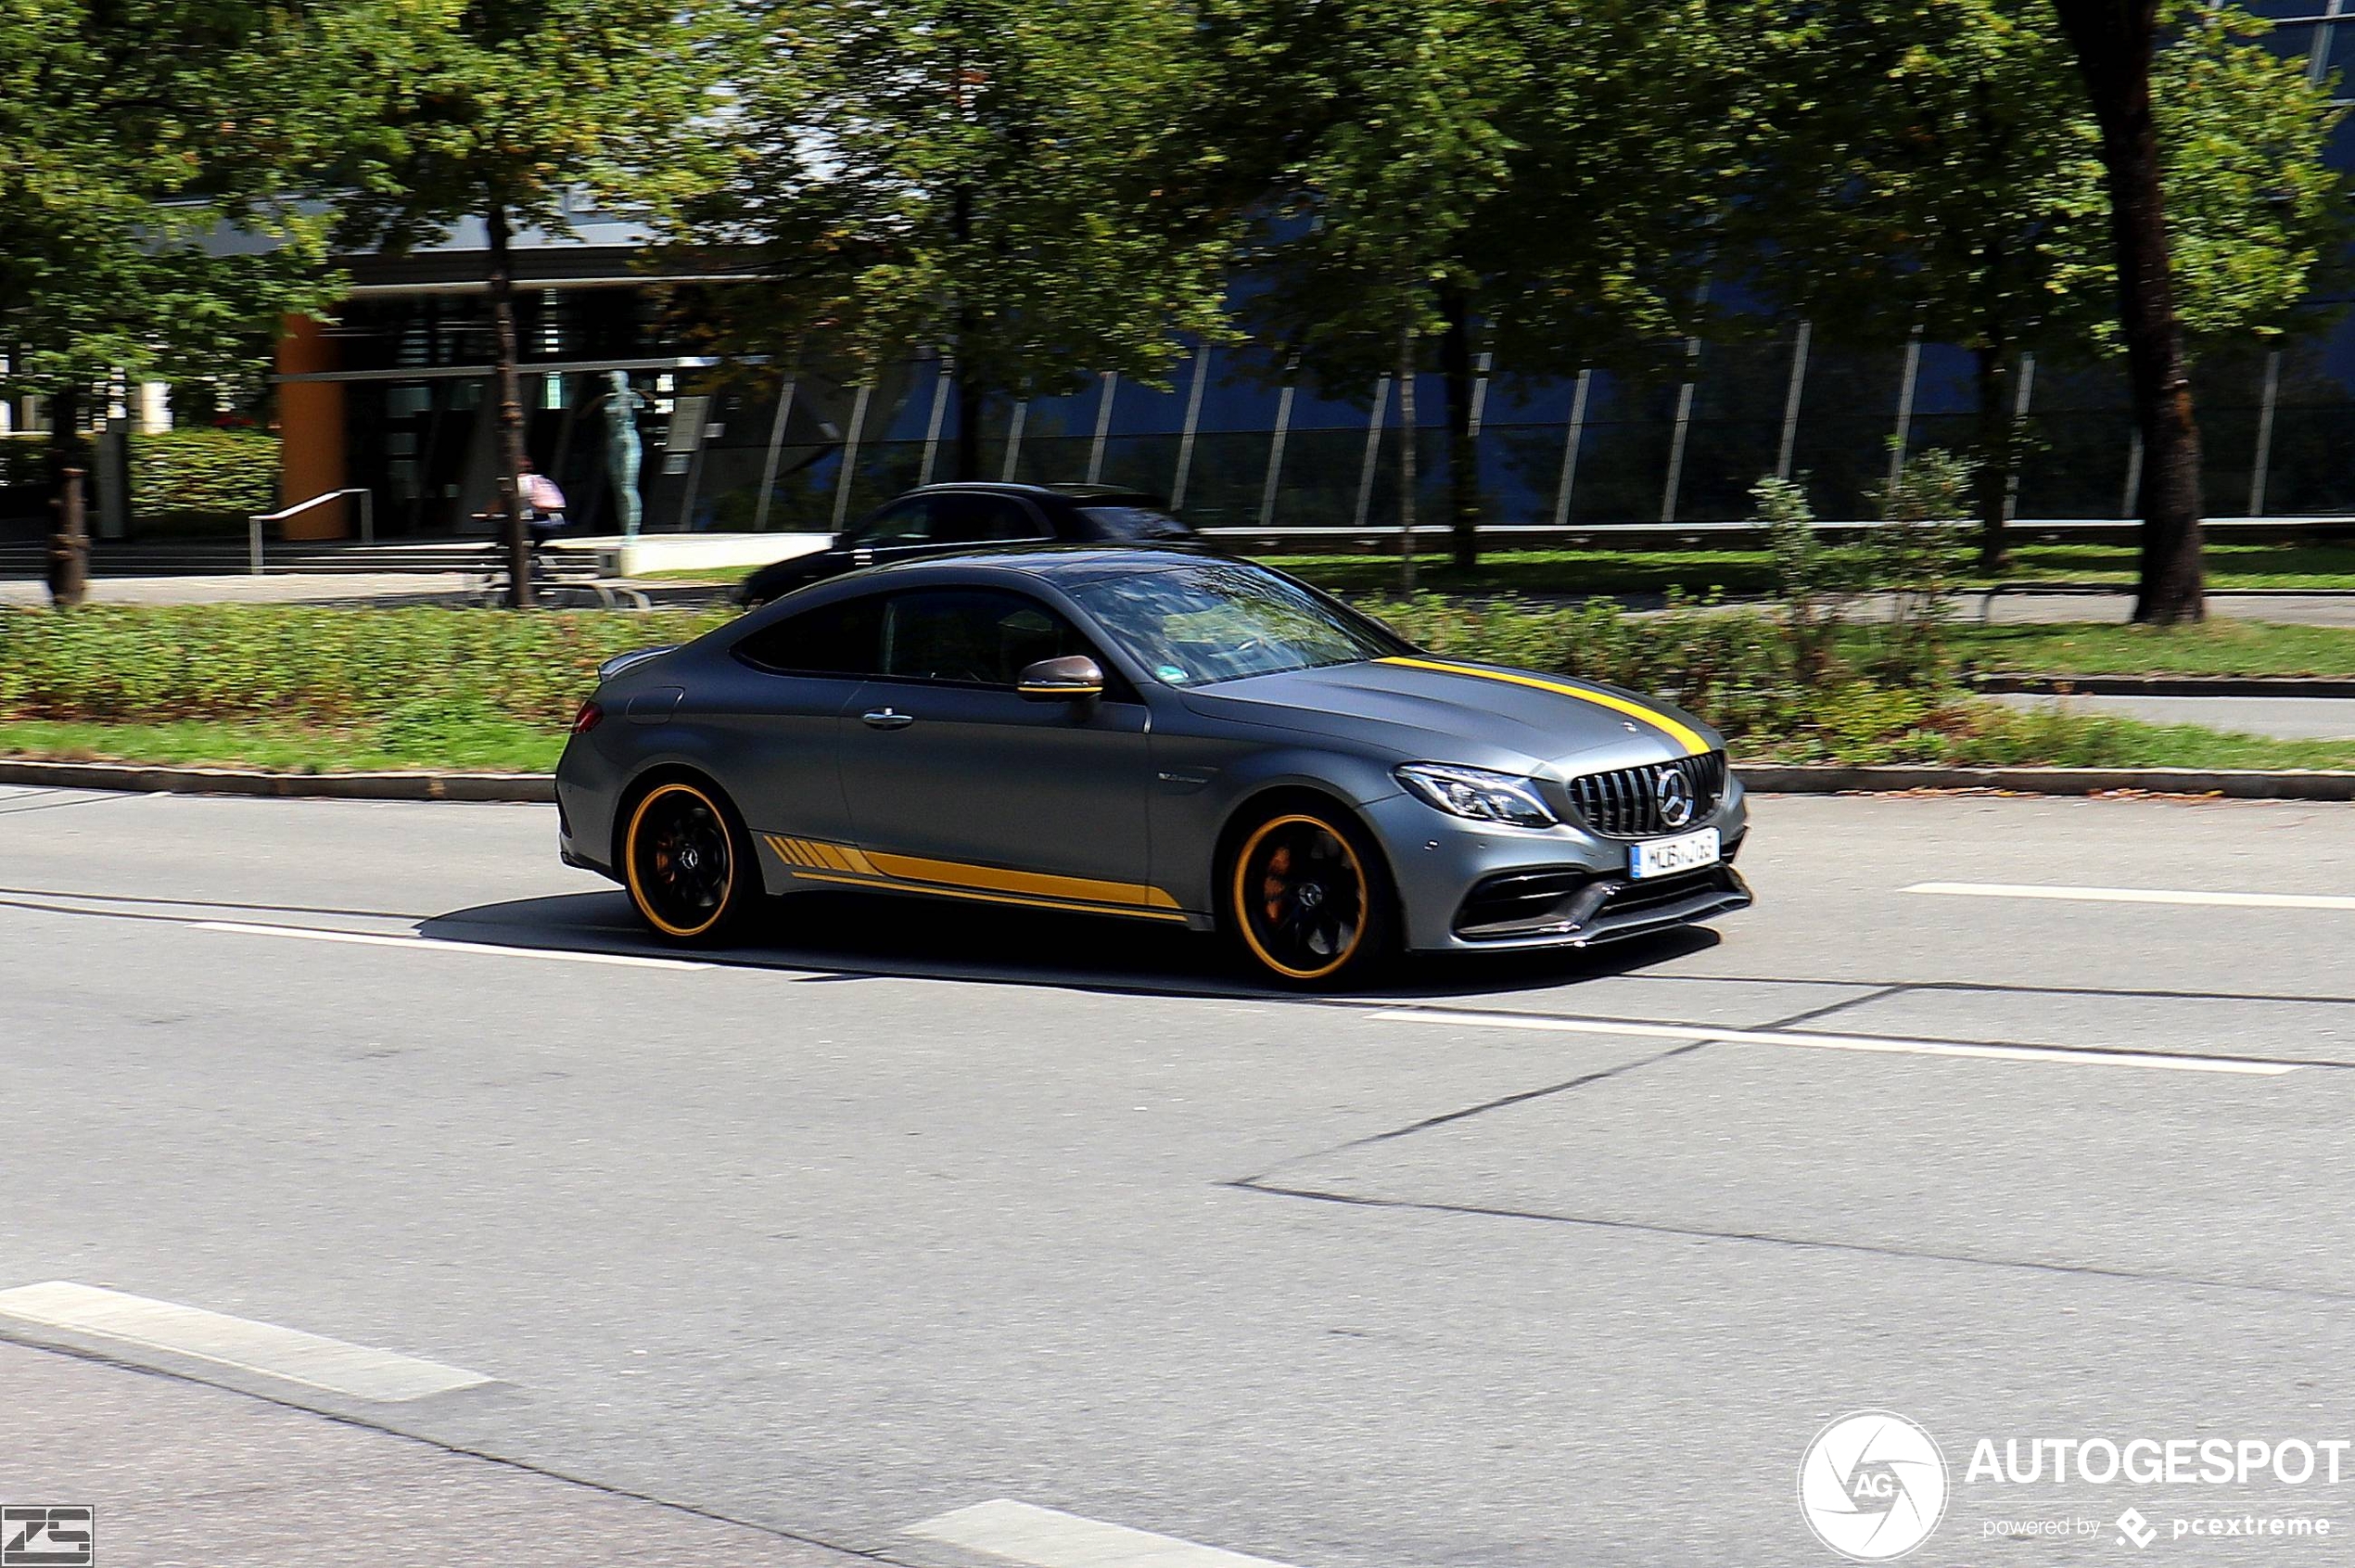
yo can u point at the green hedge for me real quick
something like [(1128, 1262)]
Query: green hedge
[(1740, 669), (419, 666), (24, 461), (419, 686), (223, 473)]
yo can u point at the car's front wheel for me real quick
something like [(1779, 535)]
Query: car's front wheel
[(687, 862), (1308, 899)]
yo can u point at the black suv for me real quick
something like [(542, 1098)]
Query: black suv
[(938, 519)]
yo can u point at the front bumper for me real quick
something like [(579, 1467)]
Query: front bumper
[(1466, 887)]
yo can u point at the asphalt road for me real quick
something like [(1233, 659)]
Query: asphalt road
[(892, 1214)]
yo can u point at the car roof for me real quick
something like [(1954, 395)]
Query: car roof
[(1056, 562), (1101, 495)]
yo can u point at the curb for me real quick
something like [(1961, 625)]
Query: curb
[(525, 788), (1807, 778), (2170, 685), (2231, 783)]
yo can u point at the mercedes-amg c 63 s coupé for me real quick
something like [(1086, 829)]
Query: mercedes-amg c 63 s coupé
[(1149, 734)]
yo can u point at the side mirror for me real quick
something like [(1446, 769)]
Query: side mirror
[(1073, 678)]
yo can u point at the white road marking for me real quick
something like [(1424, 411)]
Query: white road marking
[(312, 1360), (1046, 1538), (2135, 896), (1837, 1042), (437, 944)]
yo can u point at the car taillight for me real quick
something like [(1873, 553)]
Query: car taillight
[(589, 718)]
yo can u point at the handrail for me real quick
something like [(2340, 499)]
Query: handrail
[(253, 524)]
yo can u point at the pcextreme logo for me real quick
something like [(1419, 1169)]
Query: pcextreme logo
[(1872, 1485)]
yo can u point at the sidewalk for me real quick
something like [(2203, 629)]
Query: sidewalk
[(2287, 717), (374, 589), (185, 1475)]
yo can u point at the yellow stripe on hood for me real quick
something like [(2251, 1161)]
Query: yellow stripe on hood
[(1683, 734)]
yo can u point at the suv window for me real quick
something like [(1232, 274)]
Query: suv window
[(973, 636), (843, 637), (903, 522), (973, 519), (1134, 523)]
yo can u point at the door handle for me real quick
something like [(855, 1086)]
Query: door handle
[(885, 719)]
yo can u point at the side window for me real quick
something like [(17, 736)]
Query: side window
[(972, 636), (905, 522), (843, 637), (982, 519)]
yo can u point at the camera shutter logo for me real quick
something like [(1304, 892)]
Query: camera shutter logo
[(1872, 1485)]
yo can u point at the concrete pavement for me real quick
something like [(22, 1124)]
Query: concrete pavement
[(2015, 1116)]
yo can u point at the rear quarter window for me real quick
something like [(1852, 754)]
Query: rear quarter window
[(843, 637)]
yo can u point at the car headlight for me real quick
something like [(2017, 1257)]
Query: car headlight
[(1478, 794)]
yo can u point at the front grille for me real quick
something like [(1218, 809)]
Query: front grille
[(1624, 803)]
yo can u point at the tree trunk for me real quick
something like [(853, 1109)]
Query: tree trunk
[(1997, 446), (1463, 456), (972, 398), (70, 543), (509, 401), (2113, 40), (1406, 460), (971, 392)]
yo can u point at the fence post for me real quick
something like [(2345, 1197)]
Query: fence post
[(253, 545)]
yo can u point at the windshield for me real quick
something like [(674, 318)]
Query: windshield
[(1220, 620), (1134, 523)]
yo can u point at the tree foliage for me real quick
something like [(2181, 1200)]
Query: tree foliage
[(147, 150), (507, 112), (1012, 184), (1545, 176), (1934, 165)]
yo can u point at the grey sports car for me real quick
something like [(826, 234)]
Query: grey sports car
[(1152, 735)]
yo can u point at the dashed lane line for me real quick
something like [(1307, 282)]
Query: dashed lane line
[(312, 1360), (442, 944), (1046, 1537), (2135, 896)]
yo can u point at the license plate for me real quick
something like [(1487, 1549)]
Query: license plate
[(1666, 857)]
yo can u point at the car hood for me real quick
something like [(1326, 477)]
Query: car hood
[(1447, 710)]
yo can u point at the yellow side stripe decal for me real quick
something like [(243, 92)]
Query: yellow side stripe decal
[(916, 873), (942, 890), (913, 868), (1682, 735)]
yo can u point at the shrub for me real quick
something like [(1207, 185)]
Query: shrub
[(219, 473), (236, 661)]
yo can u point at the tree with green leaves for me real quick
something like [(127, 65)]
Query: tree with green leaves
[(1466, 174), (1406, 103), (145, 148), (498, 112), (1918, 165), (1010, 184)]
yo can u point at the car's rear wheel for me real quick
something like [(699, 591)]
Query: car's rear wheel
[(1308, 899), (687, 862)]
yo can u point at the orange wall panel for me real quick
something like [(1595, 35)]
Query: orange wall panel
[(310, 432)]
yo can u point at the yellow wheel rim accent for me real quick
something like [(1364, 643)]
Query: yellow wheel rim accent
[(1241, 901), (630, 861)]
